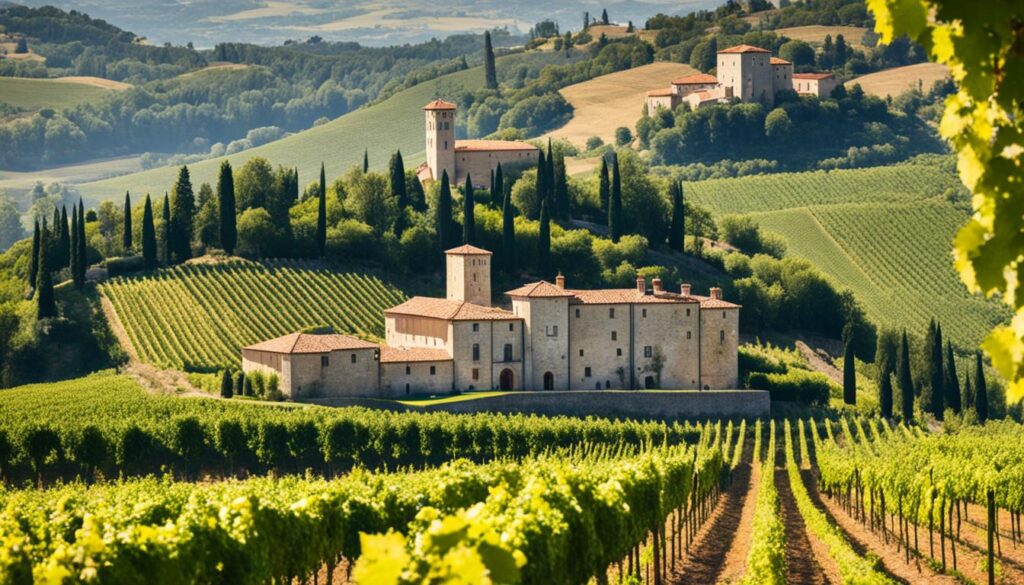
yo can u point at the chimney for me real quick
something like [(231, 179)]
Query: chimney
[(684, 289), (641, 284), (657, 286), (716, 293), (560, 281)]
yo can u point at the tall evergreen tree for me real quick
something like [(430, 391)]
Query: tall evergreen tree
[(849, 368), (183, 206), (468, 220), (396, 166), (936, 402), (226, 385), (952, 382), (561, 188), (906, 383), (52, 240), (83, 258), (508, 231), (226, 203), (980, 389), (366, 160), (498, 188), (126, 238), (885, 391), (604, 188), (542, 177), (968, 391), (64, 243), (615, 204), (444, 213), (604, 16), (490, 73), (544, 240), (33, 266), (167, 233), (149, 235), (549, 182), (74, 249), (46, 305), (321, 214), (677, 233)]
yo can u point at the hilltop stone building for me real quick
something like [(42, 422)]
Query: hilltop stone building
[(748, 73), (458, 158), (554, 338)]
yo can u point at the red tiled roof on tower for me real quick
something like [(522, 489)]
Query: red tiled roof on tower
[(744, 49), (815, 76), (696, 79), (468, 250), (778, 61), (539, 289), (449, 310), (311, 343), (660, 93), (492, 145), (439, 105)]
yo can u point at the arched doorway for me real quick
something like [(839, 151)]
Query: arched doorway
[(506, 380), (549, 381), (650, 383)]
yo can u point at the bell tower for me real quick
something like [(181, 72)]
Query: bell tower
[(440, 144), (468, 275)]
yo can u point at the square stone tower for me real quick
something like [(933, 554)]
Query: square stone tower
[(440, 144), (746, 69), (468, 270)]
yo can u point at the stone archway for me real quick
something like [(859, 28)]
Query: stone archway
[(549, 381), (650, 383), (506, 380)]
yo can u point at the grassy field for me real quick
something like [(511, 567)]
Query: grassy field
[(899, 79), (604, 103), (815, 34), (393, 124), (885, 233), (201, 316), (65, 92)]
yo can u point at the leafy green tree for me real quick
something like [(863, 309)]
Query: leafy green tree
[(91, 450), (849, 369), (126, 239), (46, 305), (226, 205), (149, 235), (183, 205), (508, 232), (207, 220), (677, 233), (983, 121), (10, 222), (490, 73), (604, 188), (254, 184), (256, 232), (615, 204), (33, 267), (167, 233), (468, 221), (980, 389), (952, 382), (799, 53), (623, 136), (544, 240), (498, 188), (444, 213), (396, 166), (906, 383)]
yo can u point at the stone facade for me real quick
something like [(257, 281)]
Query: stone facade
[(816, 84), (553, 339)]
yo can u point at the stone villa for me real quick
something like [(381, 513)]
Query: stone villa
[(461, 157), (748, 73), (554, 338)]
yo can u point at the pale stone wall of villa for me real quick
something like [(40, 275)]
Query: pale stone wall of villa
[(719, 340), (399, 379), (479, 164)]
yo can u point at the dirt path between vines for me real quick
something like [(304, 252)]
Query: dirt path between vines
[(723, 541), (973, 529), (807, 560)]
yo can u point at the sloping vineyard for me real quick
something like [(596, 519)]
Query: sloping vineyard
[(200, 316)]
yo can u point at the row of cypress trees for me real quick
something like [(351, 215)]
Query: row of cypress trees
[(54, 249)]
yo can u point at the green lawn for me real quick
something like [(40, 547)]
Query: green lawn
[(36, 94), (432, 400)]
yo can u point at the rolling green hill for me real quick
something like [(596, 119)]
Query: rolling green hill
[(35, 94), (200, 316), (886, 233), (393, 124)]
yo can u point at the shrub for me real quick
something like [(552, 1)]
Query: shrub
[(124, 265), (811, 388), (623, 136)]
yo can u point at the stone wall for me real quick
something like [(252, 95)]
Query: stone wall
[(399, 379), (468, 277), (547, 340), (341, 376), (719, 341), (614, 403), (480, 163)]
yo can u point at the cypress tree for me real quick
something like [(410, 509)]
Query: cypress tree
[(604, 16), (677, 233), (126, 239), (980, 389), (167, 233), (52, 240), (906, 383), (490, 73), (544, 240), (849, 368), (498, 188), (239, 383), (64, 244), (366, 160), (226, 202), (183, 207), (226, 389), (321, 214), (399, 190), (885, 391), (444, 213), (46, 306), (937, 402), (604, 188), (33, 267), (468, 222), (83, 259), (968, 391), (74, 248), (549, 183), (148, 235), (561, 188), (952, 382), (508, 232), (615, 204), (542, 178)]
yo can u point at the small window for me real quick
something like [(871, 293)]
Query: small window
[(551, 330), (643, 313), (648, 351), (353, 358), (723, 314), (433, 370), (611, 312), (476, 327), (408, 370), (476, 374), (607, 384), (721, 336), (618, 351), (406, 388), (577, 313), (325, 361), (586, 372), (687, 312), (508, 352), (581, 353), (511, 326), (615, 335), (689, 334), (476, 352)]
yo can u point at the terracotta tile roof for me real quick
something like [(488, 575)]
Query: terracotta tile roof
[(619, 296), (439, 105), (491, 145), (696, 79), (541, 289), (311, 343), (815, 76), (778, 61), (744, 49), (660, 93), (413, 354), (449, 310), (710, 303), (467, 250)]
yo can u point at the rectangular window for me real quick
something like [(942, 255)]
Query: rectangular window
[(511, 326), (577, 313), (643, 313), (325, 361), (353, 358), (689, 334), (433, 370), (551, 330), (476, 327), (586, 371), (723, 314), (581, 353), (476, 374), (615, 335), (721, 336), (611, 312), (687, 312), (648, 351), (508, 352), (618, 351), (476, 352), (408, 370)]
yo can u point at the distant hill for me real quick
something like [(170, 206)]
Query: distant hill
[(892, 82), (61, 92)]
